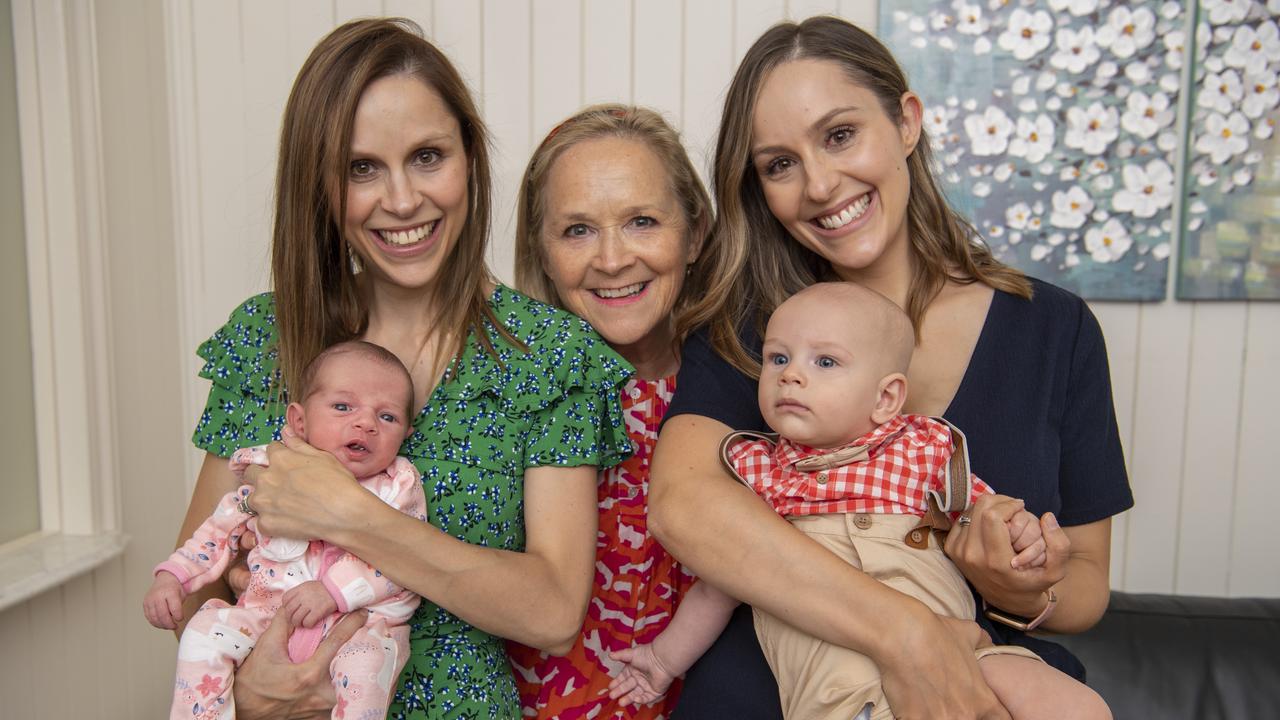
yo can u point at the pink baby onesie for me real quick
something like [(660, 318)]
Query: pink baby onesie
[(220, 636)]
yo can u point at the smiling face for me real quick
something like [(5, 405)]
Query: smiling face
[(355, 409), (615, 245), (833, 165), (406, 184), (834, 362)]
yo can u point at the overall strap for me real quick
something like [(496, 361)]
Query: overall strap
[(952, 497), (728, 441)]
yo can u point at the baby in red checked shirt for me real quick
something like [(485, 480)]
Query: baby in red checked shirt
[(871, 485)]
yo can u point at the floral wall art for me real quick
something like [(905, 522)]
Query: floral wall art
[(1231, 238), (1054, 127)]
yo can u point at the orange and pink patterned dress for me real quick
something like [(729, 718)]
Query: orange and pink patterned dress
[(637, 586)]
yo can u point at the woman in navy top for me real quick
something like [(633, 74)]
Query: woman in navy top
[(822, 171)]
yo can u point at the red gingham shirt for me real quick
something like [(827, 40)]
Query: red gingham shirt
[(906, 456)]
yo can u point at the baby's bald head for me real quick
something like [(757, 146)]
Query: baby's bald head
[(873, 321)]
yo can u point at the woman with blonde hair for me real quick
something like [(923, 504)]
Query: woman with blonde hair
[(822, 172), (381, 224), (610, 223)]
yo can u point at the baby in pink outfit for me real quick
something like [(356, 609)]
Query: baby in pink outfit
[(356, 402)]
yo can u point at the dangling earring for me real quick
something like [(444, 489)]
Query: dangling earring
[(357, 265)]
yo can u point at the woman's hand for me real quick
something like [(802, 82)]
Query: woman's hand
[(984, 553), (269, 685), (303, 492)]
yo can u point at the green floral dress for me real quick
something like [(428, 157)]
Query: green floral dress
[(485, 423)]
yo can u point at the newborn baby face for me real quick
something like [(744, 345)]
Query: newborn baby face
[(821, 375), (356, 411)]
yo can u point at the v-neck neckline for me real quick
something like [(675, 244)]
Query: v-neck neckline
[(978, 353)]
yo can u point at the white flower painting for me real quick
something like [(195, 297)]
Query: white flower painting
[(1230, 245), (1056, 139)]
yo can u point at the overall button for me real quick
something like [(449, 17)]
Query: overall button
[(862, 520), (822, 478)]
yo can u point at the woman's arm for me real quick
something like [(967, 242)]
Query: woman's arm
[(730, 537), (537, 597), (214, 481)]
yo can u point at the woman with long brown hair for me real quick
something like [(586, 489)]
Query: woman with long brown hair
[(382, 216), (822, 172)]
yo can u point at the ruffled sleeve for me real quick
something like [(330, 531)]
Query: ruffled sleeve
[(571, 386), (240, 363)]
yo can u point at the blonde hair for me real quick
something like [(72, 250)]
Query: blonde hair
[(606, 121), (756, 263), (317, 304)]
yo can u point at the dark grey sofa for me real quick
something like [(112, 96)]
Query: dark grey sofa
[(1163, 657)]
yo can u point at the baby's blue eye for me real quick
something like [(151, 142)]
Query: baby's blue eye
[(778, 359), (388, 417), (826, 362), (341, 407)]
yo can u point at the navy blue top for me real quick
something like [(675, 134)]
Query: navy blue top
[(1035, 405)]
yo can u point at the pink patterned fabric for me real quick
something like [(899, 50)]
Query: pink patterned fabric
[(637, 586)]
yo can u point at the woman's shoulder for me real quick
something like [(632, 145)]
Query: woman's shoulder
[(1051, 310), (560, 353), (243, 353), (538, 324)]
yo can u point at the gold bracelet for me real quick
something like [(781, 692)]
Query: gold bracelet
[(1017, 622)]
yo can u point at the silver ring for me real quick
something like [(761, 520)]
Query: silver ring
[(244, 507), (964, 520)]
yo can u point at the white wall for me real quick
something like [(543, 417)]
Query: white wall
[(191, 99)]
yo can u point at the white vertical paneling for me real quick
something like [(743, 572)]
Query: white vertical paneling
[(658, 58), (1209, 448), (80, 624), (345, 10), (419, 11), (506, 108), (1155, 457), (306, 22), (863, 13), (1119, 323), (556, 66), (606, 51), (750, 19), (48, 653), (17, 671), (108, 606), (267, 74), (231, 257), (708, 47), (1255, 564), (800, 9), (456, 30)]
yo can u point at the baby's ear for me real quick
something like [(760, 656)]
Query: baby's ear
[(296, 419), (891, 397)]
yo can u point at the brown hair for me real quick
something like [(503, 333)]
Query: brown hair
[(317, 304), (755, 263), (601, 121), (367, 350)]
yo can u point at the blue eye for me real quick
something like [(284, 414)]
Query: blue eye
[(341, 407), (577, 230), (826, 361), (778, 359), (388, 417)]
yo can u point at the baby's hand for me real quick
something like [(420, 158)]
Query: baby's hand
[(308, 604), (163, 602), (643, 679), (1028, 541)]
